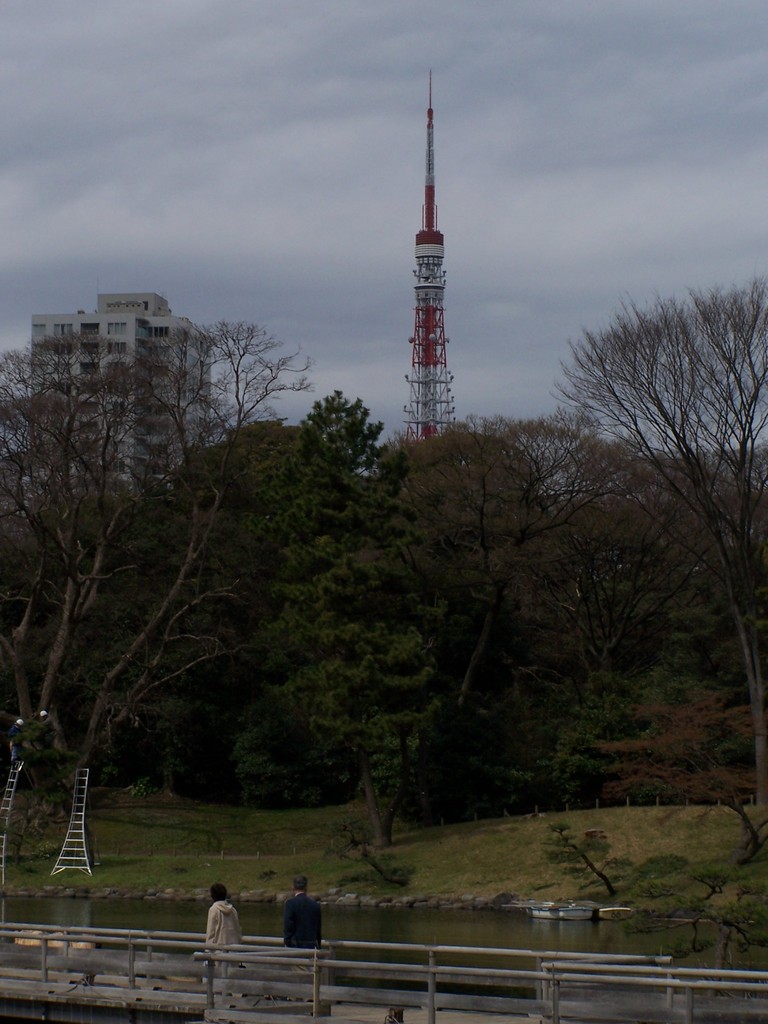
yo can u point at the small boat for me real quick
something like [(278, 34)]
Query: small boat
[(553, 910), (614, 913)]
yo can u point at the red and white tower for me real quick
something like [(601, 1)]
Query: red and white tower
[(431, 407)]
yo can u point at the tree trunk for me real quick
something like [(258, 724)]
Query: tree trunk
[(722, 946), (422, 783), (396, 802), (478, 654), (751, 653), (599, 873), (374, 814), (750, 839)]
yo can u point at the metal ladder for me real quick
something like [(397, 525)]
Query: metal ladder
[(74, 852), (6, 807)]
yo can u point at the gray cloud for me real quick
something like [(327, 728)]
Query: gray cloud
[(264, 161)]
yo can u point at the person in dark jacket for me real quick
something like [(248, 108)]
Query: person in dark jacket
[(301, 918), (14, 741)]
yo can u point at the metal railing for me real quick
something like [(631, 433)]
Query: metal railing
[(487, 980), (728, 984)]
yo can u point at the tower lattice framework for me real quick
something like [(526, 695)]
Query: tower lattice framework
[(431, 405)]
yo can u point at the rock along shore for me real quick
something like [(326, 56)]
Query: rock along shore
[(338, 897)]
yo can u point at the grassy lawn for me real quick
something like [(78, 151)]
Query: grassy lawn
[(161, 843)]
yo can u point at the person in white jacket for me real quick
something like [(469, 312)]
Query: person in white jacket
[(223, 927)]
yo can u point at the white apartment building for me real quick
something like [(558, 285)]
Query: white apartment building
[(127, 328), (124, 319)]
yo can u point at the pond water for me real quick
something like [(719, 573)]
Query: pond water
[(495, 928)]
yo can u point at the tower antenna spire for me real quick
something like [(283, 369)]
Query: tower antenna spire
[(431, 406)]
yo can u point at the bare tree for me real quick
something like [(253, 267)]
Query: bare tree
[(487, 492), (685, 385), (612, 578), (89, 440)]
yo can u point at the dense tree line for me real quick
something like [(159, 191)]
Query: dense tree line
[(512, 614)]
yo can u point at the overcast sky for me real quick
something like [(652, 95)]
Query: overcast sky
[(263, 160)]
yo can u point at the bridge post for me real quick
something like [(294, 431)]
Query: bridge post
[(431, 987), (542, 988), (330, 974), (689, 1005), (670, 995), (210, 968), (555, 991), (315, 985)]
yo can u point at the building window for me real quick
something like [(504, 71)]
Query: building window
[(160, 332), (39, 330), (117, 328), (116, 348), (62, 329), (89, 328)]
